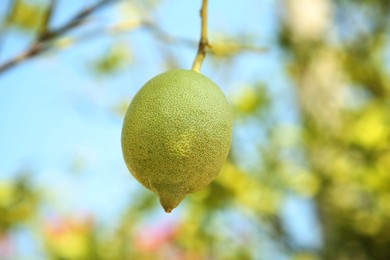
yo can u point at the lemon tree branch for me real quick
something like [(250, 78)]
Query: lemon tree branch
[(45, 40), (203, 43)]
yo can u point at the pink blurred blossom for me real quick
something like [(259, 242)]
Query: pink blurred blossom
[(6, 248), (155, 237)]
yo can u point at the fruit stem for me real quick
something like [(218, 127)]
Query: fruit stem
[(203, 43)]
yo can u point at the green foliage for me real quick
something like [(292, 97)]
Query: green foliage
[(26, 15), (350, 157), (18, 203), (251, 101), (117, 58)]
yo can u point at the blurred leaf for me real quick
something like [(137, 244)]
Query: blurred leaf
[(116, 59), (305, 184), (250, 100), (27, 16), (68, 238), (120, 107), (372, 128), (248, 192), (6, 193), (18, 202), (64, 42), (305, 256)]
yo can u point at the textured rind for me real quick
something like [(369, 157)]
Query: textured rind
[(176, 134)]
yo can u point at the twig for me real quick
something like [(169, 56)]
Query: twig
[(47, 19), (164, 36), (203, 43), (43, 41), (76, 20), (31, 52), (224, 48)]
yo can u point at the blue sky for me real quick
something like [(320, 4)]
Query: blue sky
[(54, 113)]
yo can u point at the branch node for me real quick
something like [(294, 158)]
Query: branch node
[(203, 43)]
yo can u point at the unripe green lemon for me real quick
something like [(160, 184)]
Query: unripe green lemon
[(176, 134)]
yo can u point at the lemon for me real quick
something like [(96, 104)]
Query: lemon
[(176, 134)]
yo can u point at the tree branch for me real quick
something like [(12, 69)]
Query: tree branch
[(47, 19), (50, 39), (76, 20), (220, 49), (203, 43), (43, 42)]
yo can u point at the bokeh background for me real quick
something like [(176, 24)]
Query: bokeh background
[(308, 175)]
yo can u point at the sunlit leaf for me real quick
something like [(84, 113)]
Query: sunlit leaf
[(372, 128), (26, 15), (116, 58)]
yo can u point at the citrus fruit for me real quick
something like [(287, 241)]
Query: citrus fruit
[(176, 134)]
